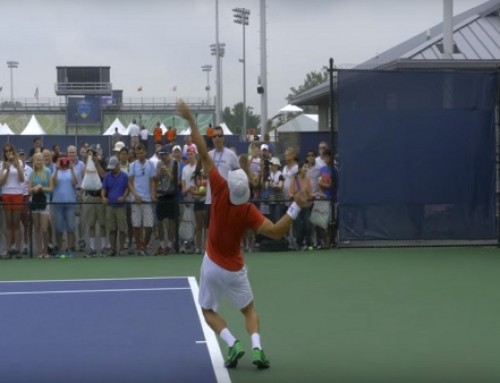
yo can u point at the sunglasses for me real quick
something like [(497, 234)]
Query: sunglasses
[(217, 136)]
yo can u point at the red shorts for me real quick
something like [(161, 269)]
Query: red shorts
[(12, 202)]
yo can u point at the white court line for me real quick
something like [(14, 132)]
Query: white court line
[(89, 291), (93, 279), (221, 373)]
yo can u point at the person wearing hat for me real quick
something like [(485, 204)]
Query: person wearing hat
[(117, 147), (223, 271), (114, 194), (167, 176)]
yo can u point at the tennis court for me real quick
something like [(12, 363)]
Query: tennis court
[(351, 315)]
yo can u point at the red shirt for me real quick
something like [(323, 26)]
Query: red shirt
[(228, 224), (158, 134)]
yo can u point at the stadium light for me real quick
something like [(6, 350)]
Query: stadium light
[(207, 68), (241, 17), (12, 65)]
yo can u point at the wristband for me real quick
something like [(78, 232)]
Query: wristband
[(293, 211)]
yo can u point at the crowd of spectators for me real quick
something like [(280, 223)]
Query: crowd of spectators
[(57, 203)]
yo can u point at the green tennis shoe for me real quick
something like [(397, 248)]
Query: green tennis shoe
[(259, 359), (234, 354)]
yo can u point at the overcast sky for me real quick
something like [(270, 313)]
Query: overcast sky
[(159, 44)]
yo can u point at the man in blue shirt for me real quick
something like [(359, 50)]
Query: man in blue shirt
[(114, 193)]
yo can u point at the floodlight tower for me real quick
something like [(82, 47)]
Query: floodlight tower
[(207, 68), (218, 50), (12, 65), (241, 17)]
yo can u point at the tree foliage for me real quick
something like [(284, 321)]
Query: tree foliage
[(233, 117), (312, 79)]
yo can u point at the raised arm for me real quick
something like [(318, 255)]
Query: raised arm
[(185, 112)]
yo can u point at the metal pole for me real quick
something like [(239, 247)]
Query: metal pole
[(244, 86), (217, 66), (263, 68)]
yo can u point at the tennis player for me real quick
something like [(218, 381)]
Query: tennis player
[(223, 271)]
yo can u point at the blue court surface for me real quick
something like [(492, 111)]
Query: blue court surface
[(116, 330)]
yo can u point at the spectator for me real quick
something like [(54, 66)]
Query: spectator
[(276, 196), (270, 145), (116, 137), (64, 203), (301, 226), (117, 147), (327, 189), (40, 187), (37, 146), (142, 185), (313, 173), (123, 156), (167, 176), (224, 160), (114, 194), (170, 135), (143, 137), (189, 143), (78, 167), (199, 194), (190, 191), (209, 136), (49, 159), (94, 214), (320, 159), (134, 132), (289, 170), (25, 216), (158, 134), (12, 183)]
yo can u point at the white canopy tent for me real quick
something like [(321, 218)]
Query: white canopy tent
[(116, 124), (301, 123), (33, 128), (5, 130), (290, 109)]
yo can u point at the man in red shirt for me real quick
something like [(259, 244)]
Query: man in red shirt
[(223, 271)]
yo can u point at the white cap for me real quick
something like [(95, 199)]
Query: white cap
[(118, 146), (239, 190), (177, 147), (264, 147), (275, 161)]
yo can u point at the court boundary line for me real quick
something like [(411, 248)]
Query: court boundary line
[(47, 292), (221, 373), (91, 279)]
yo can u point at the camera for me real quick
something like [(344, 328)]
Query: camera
[(63, 162)]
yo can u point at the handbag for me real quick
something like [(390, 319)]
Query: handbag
[(38, 201), (320, 214)]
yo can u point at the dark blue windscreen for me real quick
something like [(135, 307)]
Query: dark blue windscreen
[(417, 155)]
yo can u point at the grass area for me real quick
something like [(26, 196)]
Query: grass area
[(351, 315)]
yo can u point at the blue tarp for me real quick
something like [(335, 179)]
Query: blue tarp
[(417, 155)]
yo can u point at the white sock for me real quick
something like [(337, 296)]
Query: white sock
[(227, 337), (256, 341), (162, 244), (92, 243)]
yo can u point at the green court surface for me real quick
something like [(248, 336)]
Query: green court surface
[(351, 315)]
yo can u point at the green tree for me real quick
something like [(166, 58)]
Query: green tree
[(312, 79), (233, 117)]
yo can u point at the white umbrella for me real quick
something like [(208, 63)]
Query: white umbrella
[(290, 108)]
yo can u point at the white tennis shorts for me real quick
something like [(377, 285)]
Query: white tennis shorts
[(216, 281)]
